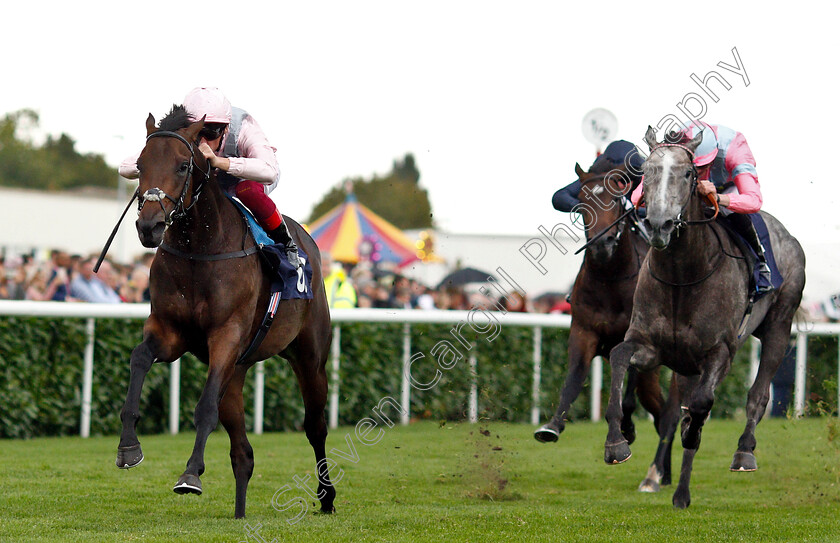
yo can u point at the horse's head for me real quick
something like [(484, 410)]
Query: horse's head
[(167, 165), (670, 180), (600, 197)]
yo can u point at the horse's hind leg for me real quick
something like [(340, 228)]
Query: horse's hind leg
[(582, 345), (308, 357), (232, 417), (773, 345)]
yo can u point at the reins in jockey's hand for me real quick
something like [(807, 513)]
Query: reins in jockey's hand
[(155, 194)]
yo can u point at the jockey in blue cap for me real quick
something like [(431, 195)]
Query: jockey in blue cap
[(617, 154)]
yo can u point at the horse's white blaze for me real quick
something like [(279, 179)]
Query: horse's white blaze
[(660, 199)]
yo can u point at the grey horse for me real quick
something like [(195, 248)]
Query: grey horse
[(691, 308)]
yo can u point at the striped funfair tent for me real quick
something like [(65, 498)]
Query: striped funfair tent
[(343, 229)]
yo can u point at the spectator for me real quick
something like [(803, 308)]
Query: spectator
[(60, 275), (87, 287), (339, 288)]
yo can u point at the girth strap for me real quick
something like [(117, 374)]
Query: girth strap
[(273, 303), (209, 258)]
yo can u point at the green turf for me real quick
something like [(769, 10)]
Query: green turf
[(427, 482)]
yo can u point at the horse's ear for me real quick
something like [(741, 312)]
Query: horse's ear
[(650, 137), (694, 142), (150, 124), (579, 171), (195, 128)]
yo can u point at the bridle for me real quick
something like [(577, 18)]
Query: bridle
[(680, 222), (157, 195)]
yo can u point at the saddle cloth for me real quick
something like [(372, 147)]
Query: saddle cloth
[(757, 280), (290, 282)]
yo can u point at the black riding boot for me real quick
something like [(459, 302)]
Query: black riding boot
[(281, 235), (746, 228)]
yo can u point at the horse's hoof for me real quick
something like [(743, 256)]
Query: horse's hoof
[(546, 434), (188, 484), (128, 457), (617, 453), (682, 502), (327, 511), (743, 461), (649, 485)]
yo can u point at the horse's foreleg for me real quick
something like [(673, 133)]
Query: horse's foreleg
[(582, 347), (628, 406), (666, 426), (232, 416), (616, 448), (129, 453), (222, 367), (701, 398), (773, 346)]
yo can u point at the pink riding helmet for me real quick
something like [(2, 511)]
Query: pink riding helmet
[(208, 101), (708, 149)]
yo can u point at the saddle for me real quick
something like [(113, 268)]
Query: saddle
[(290, 282)]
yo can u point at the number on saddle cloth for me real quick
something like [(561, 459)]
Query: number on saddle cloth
[(291, 282)]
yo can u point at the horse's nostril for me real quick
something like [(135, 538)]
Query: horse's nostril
[(646, 223), (667, 226)]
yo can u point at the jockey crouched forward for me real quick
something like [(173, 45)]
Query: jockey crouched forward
[(246, 164), (726, 169)]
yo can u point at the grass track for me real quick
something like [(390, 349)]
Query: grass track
[(431, 483)]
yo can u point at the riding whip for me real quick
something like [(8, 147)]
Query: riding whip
[(114, 233)]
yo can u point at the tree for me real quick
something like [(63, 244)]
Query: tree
[(54, 166), (397, 197)]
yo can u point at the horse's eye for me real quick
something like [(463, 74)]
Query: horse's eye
[(687, 174), (183, 168)]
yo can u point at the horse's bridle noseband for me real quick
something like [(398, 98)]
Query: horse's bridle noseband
[(157, 195)]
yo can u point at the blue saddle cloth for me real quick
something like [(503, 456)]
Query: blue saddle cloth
[(776, 278), (289, 281)]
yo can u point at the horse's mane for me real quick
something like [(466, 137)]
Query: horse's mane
[(176, 119)]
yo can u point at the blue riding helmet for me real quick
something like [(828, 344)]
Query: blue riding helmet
[(615, 155)]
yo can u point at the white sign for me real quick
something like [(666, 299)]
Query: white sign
[(599, 126)]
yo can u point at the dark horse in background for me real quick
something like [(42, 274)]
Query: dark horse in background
[(691, 304), (209, 294), (602, 300)]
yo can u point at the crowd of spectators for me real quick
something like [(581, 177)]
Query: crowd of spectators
[(69, 278), (65, 277)]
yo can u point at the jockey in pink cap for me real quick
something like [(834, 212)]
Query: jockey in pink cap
[(236, 146), (726, 169)]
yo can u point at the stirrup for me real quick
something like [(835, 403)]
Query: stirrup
[(293, 255)]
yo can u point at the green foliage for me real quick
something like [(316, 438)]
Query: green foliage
[(397, 197), (54, 166), (41, 363)]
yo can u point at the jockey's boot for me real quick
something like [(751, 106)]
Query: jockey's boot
[(281, 235), (747, 230)]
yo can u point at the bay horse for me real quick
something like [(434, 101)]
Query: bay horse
[(602, 301), (209, 293), (693, 310)]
